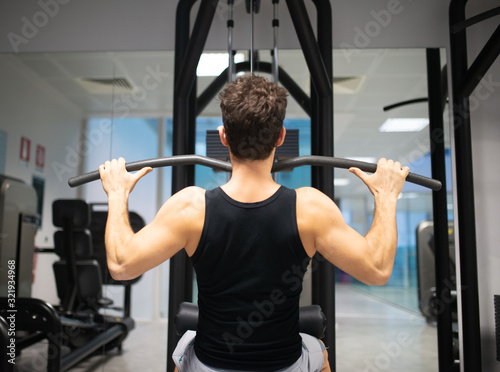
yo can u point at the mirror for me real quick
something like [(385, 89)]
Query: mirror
[(84, 108)]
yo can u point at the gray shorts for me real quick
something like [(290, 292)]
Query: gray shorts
[(311, 360)]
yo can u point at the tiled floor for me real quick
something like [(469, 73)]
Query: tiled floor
[(375, 336), (372, 336)]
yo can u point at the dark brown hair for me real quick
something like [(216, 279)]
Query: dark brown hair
[(253, 110)]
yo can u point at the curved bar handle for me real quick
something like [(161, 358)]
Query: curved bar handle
[(157, 163), (327, 161), (321, 161)]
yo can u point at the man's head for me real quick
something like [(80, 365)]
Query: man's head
[(253, 110)]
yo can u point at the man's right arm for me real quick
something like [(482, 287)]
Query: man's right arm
[(322, 228)]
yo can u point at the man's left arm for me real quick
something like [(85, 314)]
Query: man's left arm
[(131, 254)]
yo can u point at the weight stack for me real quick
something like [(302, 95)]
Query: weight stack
[(497, 324)]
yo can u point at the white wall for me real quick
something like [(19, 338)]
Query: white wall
[(86, 25), (119, 25), (485, 123), (31, 109)]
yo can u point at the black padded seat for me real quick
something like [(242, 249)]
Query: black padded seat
[(89, 282), (75, 211), (98, 228), (311, 319), (78, 274), (82, 244)]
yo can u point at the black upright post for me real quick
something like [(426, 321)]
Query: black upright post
[(188, 50), (315, 134), (179, 175), (73, 291), (440, 212), (481, 64), (190, 171), (325, 281), (468, 283), (325, 104), (318, 55)]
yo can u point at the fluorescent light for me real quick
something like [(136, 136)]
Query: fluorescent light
[(366, 159), (212, 64), (341, 182), (404, 125)]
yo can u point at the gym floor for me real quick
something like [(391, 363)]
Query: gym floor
[(372, 336)]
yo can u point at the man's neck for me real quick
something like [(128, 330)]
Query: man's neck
[(251, 180)]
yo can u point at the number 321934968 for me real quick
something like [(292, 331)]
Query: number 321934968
[(11, 283)]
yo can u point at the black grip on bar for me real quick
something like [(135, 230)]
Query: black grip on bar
[(326, 161), (321, 161), (157, 163)]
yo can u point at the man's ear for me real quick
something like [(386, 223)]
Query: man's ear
[(281, 138), (222, 136)]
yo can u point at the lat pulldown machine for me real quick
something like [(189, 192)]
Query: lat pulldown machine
[(318, 55)]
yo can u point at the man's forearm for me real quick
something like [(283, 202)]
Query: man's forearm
[(383, 237), (118, 231)]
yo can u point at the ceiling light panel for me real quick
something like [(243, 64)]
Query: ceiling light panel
[(404, 125), (213, 64)]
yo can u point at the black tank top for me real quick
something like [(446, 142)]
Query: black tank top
[(249, 265)]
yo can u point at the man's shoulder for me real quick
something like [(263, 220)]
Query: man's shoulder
[(190, 198), (191, 191), (308, 192), (310, 198)]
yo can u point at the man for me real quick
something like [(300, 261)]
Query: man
[(251, 241)]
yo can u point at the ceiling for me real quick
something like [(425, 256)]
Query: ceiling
[(383, 77)]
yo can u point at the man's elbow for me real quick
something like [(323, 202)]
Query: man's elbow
[(119, 272), (380, 277)]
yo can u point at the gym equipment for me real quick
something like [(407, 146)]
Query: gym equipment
[(311, 319), (279, 166), (97, 228), (317, 51), (76, 329), (38, 321), (252, 8), (18, 223), (82, 270), (276, 24), (78, 276), (289, 148), (284, 78), (319, 105), (448, 359), (5, 365), (87, 263), (230, 26), (431, 301), (465, 76), (426, 252), (496, 304)]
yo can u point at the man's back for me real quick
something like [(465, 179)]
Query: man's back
[(253, 111), (249, 264)]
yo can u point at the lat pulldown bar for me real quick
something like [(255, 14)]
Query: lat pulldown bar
[(282, 165)]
